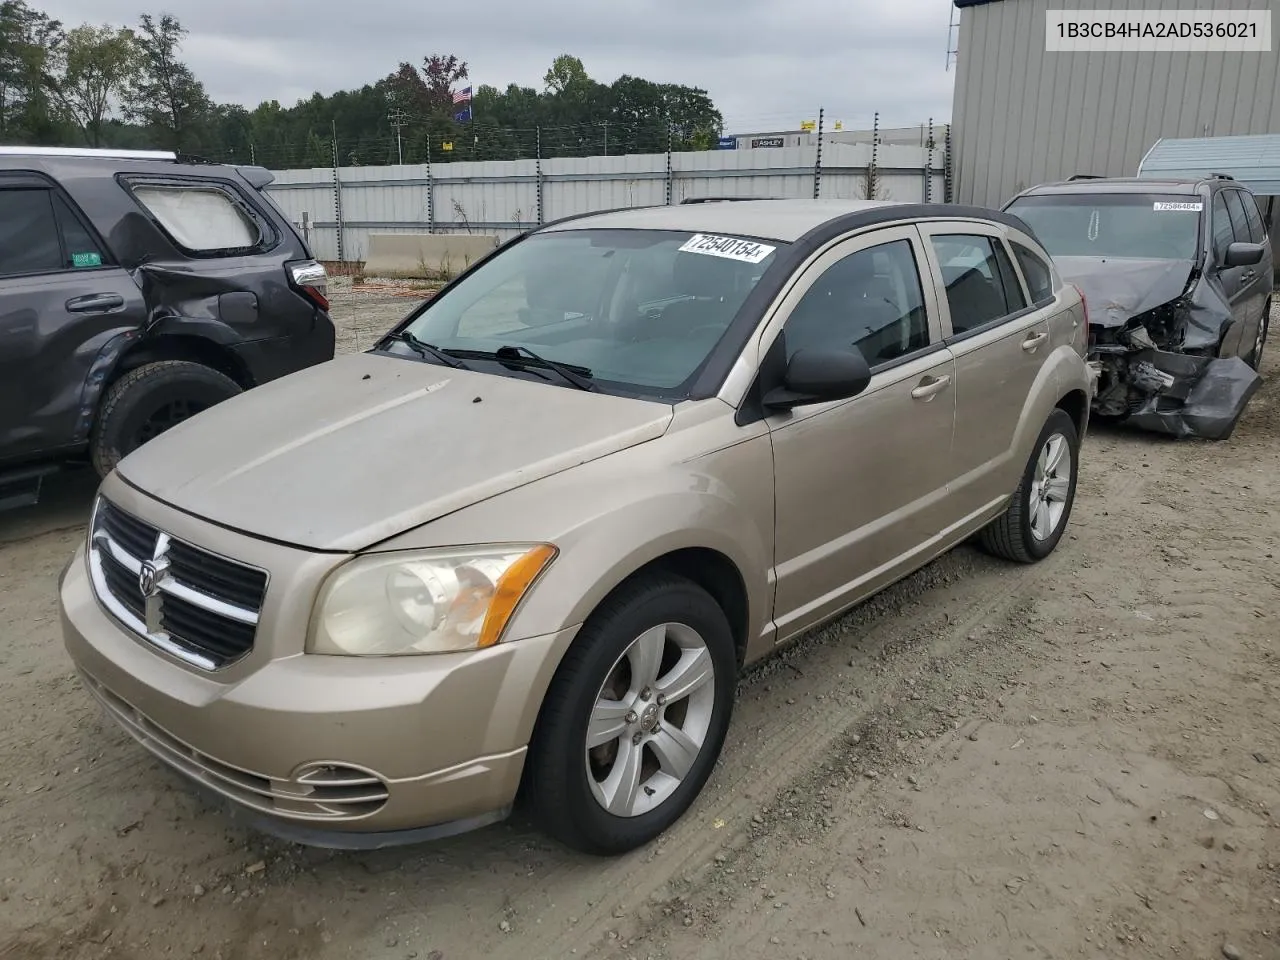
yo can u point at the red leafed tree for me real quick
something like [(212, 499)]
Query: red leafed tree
[(409, 91), (442, 74)]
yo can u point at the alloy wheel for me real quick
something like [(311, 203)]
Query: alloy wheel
[(650, 721), (1050, 487)]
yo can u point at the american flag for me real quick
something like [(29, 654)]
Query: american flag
[(463, 95)]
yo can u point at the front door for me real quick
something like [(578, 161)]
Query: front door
[(861, 484), (1231, 280), (61, 301)]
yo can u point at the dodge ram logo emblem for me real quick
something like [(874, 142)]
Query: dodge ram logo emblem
[(149, 579)]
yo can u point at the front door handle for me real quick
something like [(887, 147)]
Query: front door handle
[(930, 387), (94, 302), (1033, 341)]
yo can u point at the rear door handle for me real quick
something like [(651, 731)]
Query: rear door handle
[(94, 302), (1034, 341), (930, 387)]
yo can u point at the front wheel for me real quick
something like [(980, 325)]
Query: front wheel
[(1037, 516), (635, 719), (1255, 355)]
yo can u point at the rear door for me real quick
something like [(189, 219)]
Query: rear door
[(1000, 342), (62, 299)]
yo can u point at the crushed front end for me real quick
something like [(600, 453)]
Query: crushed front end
[(1157, 354)]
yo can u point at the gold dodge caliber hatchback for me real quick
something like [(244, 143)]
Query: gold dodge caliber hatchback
[(527, 542)]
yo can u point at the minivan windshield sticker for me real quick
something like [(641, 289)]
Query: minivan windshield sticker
[(93, 259), (731, 248), (1189, 207)]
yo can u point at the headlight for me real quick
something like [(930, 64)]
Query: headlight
[(424, 601)]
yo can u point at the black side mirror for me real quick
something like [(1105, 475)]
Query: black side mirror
[(1242, 254), (819, 376)]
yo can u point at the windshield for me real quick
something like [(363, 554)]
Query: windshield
[(1123, 225), (638, 311)]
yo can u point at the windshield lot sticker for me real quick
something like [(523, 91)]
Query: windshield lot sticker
[(1192, 207), (731, 248)]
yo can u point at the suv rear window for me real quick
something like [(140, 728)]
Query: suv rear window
[(1141, 226), (203, 218), (29, 240), (39, 233)]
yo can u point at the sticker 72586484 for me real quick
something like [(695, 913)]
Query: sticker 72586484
[(731, 248), (1194, 206)]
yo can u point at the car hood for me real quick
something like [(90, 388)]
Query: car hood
[(1119, 289), (345, 454)]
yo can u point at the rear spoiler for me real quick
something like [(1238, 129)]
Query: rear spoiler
[(259, 177)]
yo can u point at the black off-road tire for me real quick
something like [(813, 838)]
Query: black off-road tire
[(125, 420), (556, 786), (1009, 536)]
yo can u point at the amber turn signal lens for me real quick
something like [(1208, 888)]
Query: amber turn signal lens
[(511, 589)]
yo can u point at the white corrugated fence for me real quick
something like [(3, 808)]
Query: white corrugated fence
[(339, 208)]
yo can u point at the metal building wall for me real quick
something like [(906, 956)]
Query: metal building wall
[(1022, 116)]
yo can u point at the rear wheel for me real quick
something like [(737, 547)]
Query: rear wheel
[(1037, 516), (149, 400), (635, 718)]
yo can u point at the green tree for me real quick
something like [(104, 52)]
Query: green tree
[(97, 66), (566, 73), (29, 44), (165, 95)]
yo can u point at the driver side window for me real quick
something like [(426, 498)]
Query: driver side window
[(871, 300)]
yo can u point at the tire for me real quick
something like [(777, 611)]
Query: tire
[(566, 788), (1255, 353), (150, 399), (1013, 535)]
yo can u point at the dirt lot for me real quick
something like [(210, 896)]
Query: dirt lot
[(1080, 758)]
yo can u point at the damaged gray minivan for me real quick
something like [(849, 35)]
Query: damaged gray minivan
[(1178, 276)]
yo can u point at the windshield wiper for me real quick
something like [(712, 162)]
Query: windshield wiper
[(427, 350), (579, 377)]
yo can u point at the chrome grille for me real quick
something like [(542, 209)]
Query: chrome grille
[(193, 604)]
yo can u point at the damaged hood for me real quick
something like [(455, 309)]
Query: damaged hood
[(1118, 289), (348, 453)]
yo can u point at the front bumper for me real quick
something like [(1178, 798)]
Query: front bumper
[(335, 751)]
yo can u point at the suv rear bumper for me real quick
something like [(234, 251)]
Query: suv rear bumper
[(262, 743)]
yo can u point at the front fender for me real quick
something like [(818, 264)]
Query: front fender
[(610, 517)]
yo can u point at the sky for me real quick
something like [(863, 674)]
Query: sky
[(767, 64)]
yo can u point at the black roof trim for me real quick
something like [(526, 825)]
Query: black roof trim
[(961, 4)]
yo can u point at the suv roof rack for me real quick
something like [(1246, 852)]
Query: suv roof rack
[(1221, 176), (723, 199), (1085, 176), (87, 152)]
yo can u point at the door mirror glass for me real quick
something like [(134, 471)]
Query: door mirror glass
[(819, 376), (1242, 254)]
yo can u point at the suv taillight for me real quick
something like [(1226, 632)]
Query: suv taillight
[(309, 278)]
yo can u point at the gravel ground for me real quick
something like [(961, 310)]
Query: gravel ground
[(1080, 758)]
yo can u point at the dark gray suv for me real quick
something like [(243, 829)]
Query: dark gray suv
[(1178, 276), (136, 290)]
